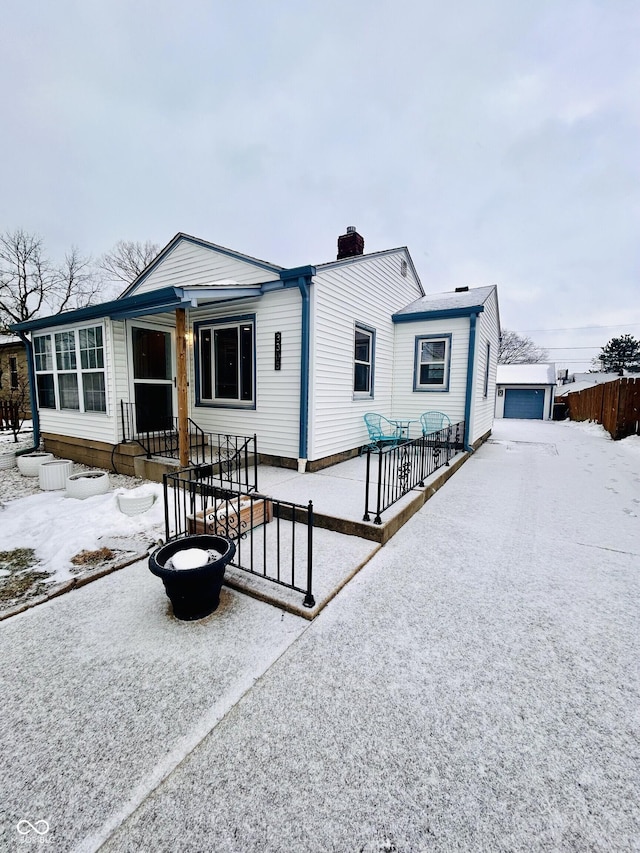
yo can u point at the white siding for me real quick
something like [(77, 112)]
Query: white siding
[(408, 403), (368, 291), (188, 265), (93, 426), (482, 408), (276, 417), (120, 367)]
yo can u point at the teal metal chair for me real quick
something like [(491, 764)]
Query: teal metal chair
[(382, 431), (434, 422)]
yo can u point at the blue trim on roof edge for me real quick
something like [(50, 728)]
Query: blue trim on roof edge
[(440, 314), (296, 272), (171, 297)]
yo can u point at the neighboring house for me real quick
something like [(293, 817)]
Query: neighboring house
[(580, 381), (525, 391), (14, 372), (294, 356)]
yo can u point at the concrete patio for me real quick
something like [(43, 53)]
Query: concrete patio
[(474, 688), (343, 542)]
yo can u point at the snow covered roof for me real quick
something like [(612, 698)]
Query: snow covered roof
[(463, 300), (6, 340), (526, 374), (585, 380)]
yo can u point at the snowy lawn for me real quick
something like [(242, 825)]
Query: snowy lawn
[(47, 539)]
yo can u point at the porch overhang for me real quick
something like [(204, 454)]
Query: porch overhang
[(157, 301), (144, 304)]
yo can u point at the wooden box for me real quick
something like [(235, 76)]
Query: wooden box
[(231, 518)]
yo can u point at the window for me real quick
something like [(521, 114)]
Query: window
[(13, 373), (364, 346), (66, 366), (74, 379), (431, 369), (486, 370), (44, 372), (226, 362), (92, 368)]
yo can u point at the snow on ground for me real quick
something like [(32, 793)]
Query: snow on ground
[(474, 688), (58, 528)]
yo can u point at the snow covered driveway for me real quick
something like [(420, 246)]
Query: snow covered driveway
[(475, 687)]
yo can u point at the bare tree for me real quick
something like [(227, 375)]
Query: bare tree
[(31, 285), (127, 260), (519, 349)]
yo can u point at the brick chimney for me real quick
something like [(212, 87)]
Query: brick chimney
[(350, 244)]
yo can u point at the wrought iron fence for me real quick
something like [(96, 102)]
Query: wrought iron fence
[(274, 538), (400, 469), (230, 460)]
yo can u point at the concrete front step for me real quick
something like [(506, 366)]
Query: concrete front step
[(153, 469)]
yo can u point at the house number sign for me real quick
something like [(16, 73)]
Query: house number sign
[(278, 350)]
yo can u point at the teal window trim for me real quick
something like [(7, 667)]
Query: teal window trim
[(204, 372), (430, 388)]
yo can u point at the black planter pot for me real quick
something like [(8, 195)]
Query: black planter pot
[(194, 593)]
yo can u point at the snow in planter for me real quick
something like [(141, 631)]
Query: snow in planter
[(192, 558)]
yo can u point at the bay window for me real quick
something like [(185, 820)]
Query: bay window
[(69, 368)]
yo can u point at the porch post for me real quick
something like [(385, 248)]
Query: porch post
[(183, 400)]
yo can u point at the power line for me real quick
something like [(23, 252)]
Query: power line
[(577, 328)]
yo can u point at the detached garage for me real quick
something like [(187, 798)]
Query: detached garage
[(525, 391)]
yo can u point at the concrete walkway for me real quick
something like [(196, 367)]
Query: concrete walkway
[(475, 687)]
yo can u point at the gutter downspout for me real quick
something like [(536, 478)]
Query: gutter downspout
[(35, 416), (301, 276), (471, 358), (303, 285)]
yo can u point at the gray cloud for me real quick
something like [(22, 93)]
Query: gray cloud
[(498, 141)]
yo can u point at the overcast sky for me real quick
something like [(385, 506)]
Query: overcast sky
[(499, 140)]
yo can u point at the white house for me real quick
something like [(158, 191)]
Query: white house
[(525, 391), (294, 356)]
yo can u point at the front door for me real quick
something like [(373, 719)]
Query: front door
[(153, 384)]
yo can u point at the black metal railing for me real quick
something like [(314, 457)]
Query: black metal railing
[(274, 538), (394, 471), (159, 440), (231, 460)]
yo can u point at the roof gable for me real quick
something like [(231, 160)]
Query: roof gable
[(359, 259), (189, 261)]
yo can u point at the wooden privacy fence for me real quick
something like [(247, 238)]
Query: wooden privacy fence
[(615, 405)]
